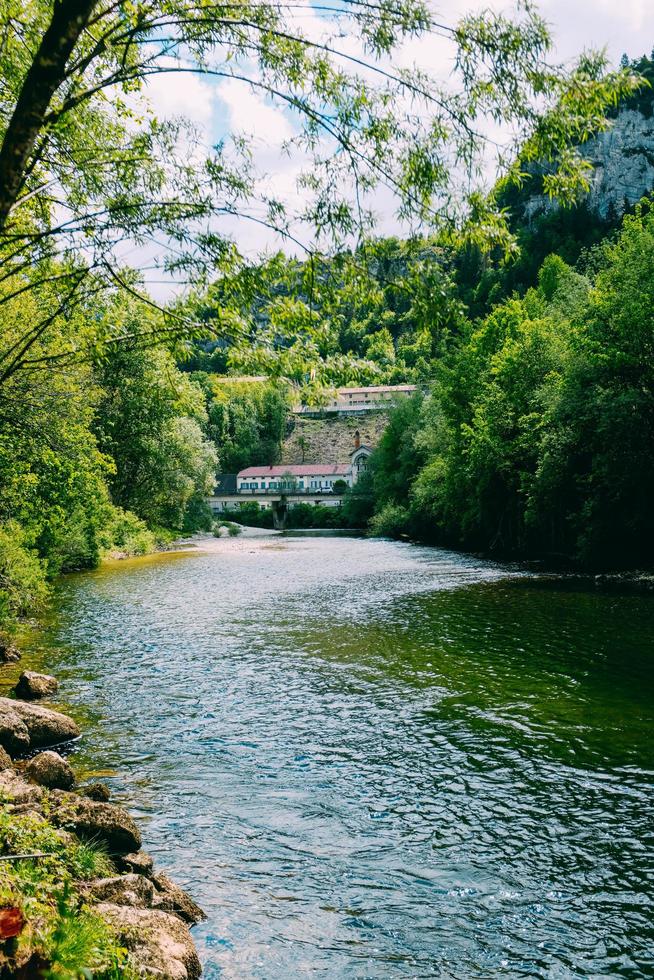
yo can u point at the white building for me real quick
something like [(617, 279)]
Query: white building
[(307, 477), (318, 483), (356, 400)]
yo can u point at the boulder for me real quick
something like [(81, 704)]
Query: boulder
[(159, 944), (14, 736), (99, 792), (51, 770), (129, 889), (32, 685), (96, 821), (171, 898), (16, 790), (139, 862), (9, 653), (29, 726), (5, 759)]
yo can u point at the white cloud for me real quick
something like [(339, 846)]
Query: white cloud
[(579, 23), (181, 93), (251, 114)]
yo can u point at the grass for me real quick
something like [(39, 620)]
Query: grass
[(63, 937), (232, 529)]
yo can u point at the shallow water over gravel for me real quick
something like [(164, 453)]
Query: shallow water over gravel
[(367, 759)]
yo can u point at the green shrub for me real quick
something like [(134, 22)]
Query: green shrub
[(391, 522), (314, 515), (80, 944), (127, 533), (23, 587), (252, 515), (232, 529), (89, 859), (359, 503), (197, 516)]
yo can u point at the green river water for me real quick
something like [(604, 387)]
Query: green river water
[(368, 759)]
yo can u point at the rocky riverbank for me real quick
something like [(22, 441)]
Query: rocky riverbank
[(77, 892)]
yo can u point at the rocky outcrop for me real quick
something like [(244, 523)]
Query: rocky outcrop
[(317, 440), (32, 686), (149, 913), (96, 821), (159, 943), (17, 792), (142, 891), (622, 159), (129, 889), (99, 792), (14, 736), (171, 898), (51, 770), (139, 863), (29, 726)]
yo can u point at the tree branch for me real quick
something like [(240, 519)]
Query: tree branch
[(44, 76)]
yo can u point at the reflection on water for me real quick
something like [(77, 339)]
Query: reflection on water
[(367, 759)]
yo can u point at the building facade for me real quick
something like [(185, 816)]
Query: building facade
[(352, 401), (306, 476), (316, 483)]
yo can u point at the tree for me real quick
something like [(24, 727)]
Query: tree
[(84, 167), (597, 469), (149, 422), (52, 475), (303, 445), (246, 421), (537, 437), (393, 467)]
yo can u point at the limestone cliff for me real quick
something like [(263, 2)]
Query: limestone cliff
[(623, 166)]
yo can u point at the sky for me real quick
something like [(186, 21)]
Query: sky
[(227, 106)]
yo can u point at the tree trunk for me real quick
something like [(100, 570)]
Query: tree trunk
[(44, 76)]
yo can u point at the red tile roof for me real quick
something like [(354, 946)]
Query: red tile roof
[(306, 469)]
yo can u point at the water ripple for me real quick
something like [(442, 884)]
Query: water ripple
[(368, 759)]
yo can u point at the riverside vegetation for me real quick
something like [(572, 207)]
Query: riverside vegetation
[(105, 444), (537, 436)]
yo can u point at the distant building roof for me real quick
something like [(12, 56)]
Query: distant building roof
[(305, 469), (231, 378), (374, 389)]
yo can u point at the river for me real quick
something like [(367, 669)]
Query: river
[(368, 759)]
